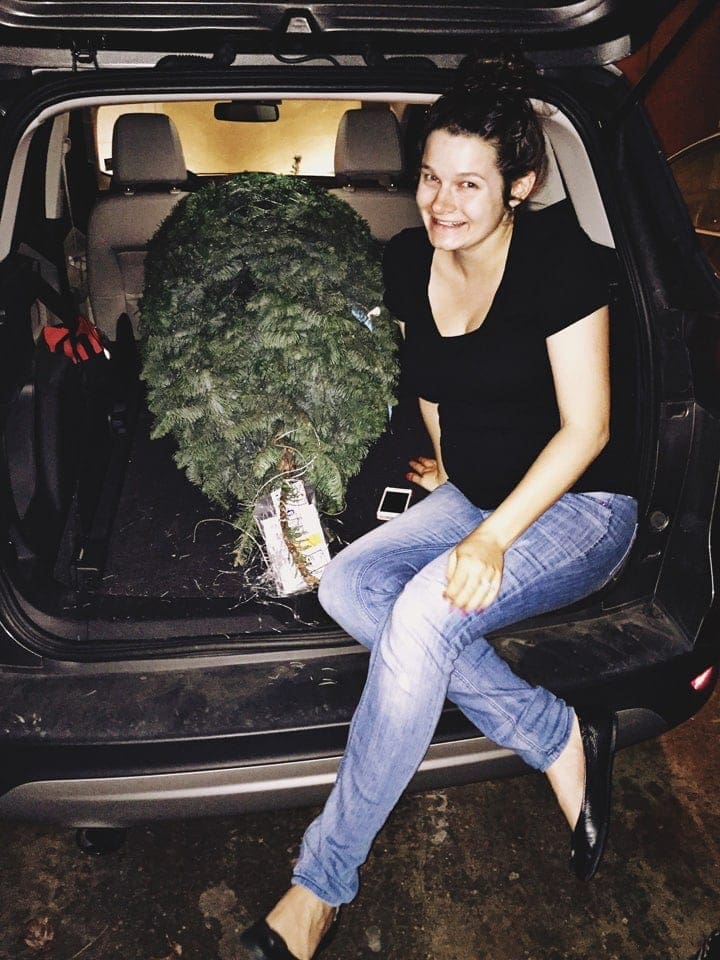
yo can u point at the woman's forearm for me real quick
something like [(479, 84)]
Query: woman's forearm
[(431, 418)]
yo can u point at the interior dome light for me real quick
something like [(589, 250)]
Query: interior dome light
[(703, 679)]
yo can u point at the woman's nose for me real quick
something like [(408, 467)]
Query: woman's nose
[(442, 201)]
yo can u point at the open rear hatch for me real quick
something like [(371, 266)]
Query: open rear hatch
[(569, 32)]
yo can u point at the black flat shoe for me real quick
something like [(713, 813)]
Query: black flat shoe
[(261, 942), (598, 731)]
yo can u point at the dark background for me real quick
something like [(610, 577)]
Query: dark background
[(684, 104)]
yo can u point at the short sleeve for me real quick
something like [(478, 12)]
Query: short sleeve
[(392, 276), (406, 272), (574, 278)]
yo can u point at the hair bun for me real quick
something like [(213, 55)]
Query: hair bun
[(496, 68)]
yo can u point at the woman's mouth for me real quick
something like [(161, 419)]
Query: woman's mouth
[(447, 224)]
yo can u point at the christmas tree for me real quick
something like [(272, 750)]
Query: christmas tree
[(266, 350)]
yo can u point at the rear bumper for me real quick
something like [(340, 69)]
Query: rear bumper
[(110, 801)]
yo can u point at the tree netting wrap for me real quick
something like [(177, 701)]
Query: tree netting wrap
[(266, 349)]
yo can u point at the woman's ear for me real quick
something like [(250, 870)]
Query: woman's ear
[(522, 188)]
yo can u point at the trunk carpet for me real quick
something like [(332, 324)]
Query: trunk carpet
[(170, 541)]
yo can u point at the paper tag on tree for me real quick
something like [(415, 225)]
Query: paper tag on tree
[(305, 532)]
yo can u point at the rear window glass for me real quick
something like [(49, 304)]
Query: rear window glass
[(301, 141)]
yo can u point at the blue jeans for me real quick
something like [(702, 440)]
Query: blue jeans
[(386, 591)]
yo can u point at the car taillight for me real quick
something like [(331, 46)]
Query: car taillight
[(703, 679)]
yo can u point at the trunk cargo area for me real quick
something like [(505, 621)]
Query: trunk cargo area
[(168, 563), (169, 577)]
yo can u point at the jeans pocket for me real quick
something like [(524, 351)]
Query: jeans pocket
[(607, 503), (595, 501), (617, 513), (593, 511)]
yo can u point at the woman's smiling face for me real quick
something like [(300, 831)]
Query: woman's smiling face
[(460, 191)]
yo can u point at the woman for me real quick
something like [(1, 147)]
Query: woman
[(505, 319)]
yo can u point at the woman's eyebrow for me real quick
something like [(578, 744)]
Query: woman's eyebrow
[(457, 176)]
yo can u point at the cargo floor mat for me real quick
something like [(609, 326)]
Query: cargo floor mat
[(170, 541)]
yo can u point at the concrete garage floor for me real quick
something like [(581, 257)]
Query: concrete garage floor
[(467, 873)]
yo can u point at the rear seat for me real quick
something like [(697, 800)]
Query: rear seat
[(368, 157), (148, 167)]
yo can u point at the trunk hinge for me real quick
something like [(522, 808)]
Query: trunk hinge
[(84, 54)]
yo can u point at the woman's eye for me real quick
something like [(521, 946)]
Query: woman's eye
[(469, 184)]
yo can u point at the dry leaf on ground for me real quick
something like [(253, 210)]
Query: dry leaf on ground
[(39, 934)]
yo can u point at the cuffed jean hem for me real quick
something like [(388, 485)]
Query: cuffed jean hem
[(553, 754), (298, 880)]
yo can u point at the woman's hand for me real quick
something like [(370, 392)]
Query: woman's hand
[(474, 572), (427, 473)]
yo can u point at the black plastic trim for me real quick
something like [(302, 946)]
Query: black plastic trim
[(330, 26), (663, 691)]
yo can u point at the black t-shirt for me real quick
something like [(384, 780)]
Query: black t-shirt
[(494, 385)]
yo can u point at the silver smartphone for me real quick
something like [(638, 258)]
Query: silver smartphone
[(393, 502)]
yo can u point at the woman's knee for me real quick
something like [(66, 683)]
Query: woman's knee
[(422, 614), (360, 576), (346, 597)]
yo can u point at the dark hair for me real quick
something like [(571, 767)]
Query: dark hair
[(490, 99)]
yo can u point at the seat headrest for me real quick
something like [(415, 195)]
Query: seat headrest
[(552, 188), (146, 148), (368, 145)]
